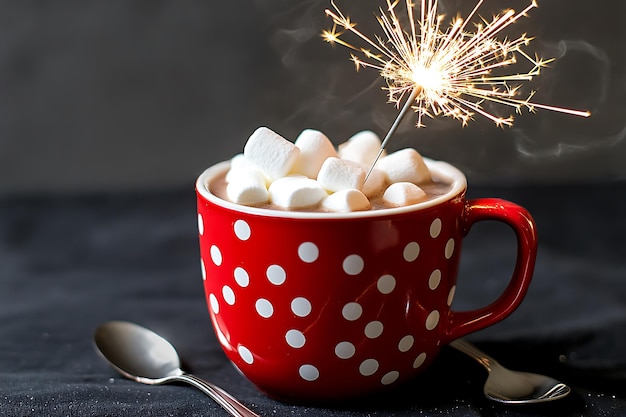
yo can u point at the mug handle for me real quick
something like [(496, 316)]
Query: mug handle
[(462, 323)]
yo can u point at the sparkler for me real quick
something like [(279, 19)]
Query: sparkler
[(449, 71)]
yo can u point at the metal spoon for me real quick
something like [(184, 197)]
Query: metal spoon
[(142, 355), (511, 387)]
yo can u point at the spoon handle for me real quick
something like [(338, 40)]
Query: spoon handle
[(227, 401), (471, 350)]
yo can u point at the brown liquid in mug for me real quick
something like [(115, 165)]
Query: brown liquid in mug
[(433, 189)]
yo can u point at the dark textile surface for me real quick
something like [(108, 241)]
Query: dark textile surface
[(68, 264)]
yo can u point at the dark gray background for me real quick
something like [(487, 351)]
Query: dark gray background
[(110, 95)]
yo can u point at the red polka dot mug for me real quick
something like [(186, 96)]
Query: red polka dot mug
[(331, 306)]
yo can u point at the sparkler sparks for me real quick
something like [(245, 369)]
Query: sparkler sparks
[(444, 71)]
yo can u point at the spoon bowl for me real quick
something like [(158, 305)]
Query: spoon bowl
[(511, 387), (143, 356)]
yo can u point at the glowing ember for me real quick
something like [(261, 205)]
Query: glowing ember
[(447, 71)]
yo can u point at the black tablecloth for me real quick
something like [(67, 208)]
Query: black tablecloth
[(70, 263)]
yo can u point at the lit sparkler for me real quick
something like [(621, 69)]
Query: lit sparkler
[(447, 71)]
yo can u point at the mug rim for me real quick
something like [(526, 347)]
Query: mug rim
[(443, 170)]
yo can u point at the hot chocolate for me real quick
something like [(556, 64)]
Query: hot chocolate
[(433, 189)]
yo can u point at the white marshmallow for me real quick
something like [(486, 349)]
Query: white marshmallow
[(346, 200), (242, 170), (363, 147), (403, 194), (296, 191), (314, 147), (239, 161), (272, 153), (405, 165), (340, 174), (249, 191), (375, 183)]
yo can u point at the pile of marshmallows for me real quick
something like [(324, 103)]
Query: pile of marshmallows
[(311, 173)]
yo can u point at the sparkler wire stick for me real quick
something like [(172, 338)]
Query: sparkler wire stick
[(394, 126)]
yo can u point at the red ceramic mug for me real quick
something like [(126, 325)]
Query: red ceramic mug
[(330, 306)]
